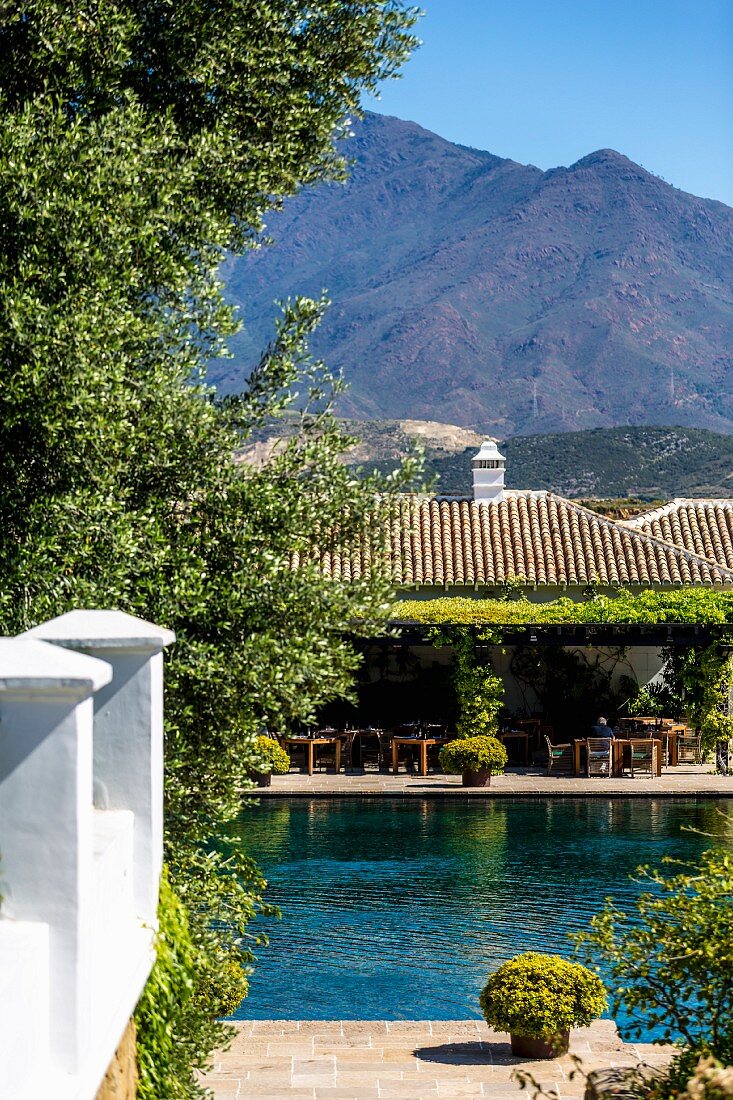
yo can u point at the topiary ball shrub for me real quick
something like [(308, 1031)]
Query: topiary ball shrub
[(270, 758), (541, 996), (473, 754)]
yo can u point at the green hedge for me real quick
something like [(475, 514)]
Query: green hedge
[(693, 605)]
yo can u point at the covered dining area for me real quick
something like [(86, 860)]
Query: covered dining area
[(556, 680), (647, 746)]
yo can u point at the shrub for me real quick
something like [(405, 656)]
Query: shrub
[(670, 962), (269, 757), (709, 1081), (176, 1017), (223, 990), (175, 1032), (540, 996), (473, 754)]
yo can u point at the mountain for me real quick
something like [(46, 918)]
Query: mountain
[(641, 462), (476, 290), (644, 463)]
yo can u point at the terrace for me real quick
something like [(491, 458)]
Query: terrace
[(684, 781)]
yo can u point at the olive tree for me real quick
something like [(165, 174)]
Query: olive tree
[(670, 963), (140, 144)]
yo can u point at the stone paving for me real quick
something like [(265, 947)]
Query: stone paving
[(399, 1060), (684, 781)]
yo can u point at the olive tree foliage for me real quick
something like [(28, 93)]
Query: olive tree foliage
[(671, 962), (141, 142)]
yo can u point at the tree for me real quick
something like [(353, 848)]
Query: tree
[(140, 143), (671, 962)]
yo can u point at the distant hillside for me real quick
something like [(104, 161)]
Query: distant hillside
[(643, 463), (478, 291), (624, 462)]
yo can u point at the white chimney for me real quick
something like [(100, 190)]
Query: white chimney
[(489, 467)]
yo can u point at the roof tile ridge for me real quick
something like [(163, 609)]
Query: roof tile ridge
[(633, 532), (653, 514), (674, 505)]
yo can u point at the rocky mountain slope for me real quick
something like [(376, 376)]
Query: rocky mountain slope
[(644, 463), (476, 290)]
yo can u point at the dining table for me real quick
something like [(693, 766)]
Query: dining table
[(656, 727), (421, 743), (313, 743), (517, 735), (617, 754)]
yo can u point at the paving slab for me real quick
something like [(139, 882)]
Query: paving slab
[(684, 781), (404, 1060)]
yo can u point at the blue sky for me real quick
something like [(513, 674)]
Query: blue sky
[(547, 81)]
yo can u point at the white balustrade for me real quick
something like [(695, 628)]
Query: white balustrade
[(81, 772)]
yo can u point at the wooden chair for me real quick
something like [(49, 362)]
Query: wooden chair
[(325, 755), (688, 748), (365, 748), (385, 751), (597, 756), (434, 750), (559, 757), (347, 744), (530, 726), (298, 754), (641, 755)]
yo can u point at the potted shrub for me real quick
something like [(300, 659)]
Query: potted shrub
[(475, 758), (270, 759), (538, 998)]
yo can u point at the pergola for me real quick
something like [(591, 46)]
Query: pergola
[(402, 658), (409, 633)]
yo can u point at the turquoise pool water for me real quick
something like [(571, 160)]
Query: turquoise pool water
[(398, 909)]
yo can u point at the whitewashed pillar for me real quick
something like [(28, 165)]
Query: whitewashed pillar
[(128, 729), (46, 819)]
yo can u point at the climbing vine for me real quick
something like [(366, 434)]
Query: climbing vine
[(479, 691), (693, 605), (701, 680)]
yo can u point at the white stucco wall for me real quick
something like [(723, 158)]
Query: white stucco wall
[(78, 879)]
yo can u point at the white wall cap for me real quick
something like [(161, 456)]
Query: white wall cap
[(489, 450), (103, 630), (28, 664)]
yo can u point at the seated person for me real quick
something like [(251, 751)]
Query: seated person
[(602, 729)]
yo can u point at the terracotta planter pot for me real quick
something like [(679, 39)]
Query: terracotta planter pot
[(477, 779), (552, 1047), (262, 779)]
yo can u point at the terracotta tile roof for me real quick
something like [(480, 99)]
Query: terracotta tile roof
[(703, 527), (534, 538)]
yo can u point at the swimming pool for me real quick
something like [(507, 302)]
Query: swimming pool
[(399, 908)]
